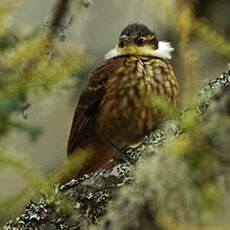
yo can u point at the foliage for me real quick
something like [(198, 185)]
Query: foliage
[(183, 182), (205, 142), (29, 65)]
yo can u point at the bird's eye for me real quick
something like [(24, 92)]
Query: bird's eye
[(140, 41)]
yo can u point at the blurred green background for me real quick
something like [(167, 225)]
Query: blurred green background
[(93, 31)]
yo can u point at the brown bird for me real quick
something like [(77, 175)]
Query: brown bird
[(115, 108)]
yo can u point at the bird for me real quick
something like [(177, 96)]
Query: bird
[(115, 108)]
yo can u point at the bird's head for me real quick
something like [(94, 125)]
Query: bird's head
[(137, 39)]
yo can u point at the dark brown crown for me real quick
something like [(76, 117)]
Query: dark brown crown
[(140, 35), (138, 29)]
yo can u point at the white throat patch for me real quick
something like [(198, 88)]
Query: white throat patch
[(164, 51)]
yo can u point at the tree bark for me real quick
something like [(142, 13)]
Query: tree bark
[(114, 192)]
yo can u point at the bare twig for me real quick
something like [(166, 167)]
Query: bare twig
[(59, 15)]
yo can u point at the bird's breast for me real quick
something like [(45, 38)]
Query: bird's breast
[(127, 110)]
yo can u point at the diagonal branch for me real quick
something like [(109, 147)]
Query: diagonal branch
[(91, 195)]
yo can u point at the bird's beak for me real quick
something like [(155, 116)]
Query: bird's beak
[(124, 40)]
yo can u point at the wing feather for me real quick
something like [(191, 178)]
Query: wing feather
[(90, 101), (84, 117)]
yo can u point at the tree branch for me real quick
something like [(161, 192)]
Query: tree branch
[(92, 195), (59, 15)]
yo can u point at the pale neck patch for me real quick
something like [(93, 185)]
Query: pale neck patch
[(164, 51), (111, 53)]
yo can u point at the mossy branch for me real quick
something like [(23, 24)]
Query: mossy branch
[(165, 183)]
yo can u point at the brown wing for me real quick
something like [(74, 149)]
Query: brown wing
[(84, 117), (89, 104)]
